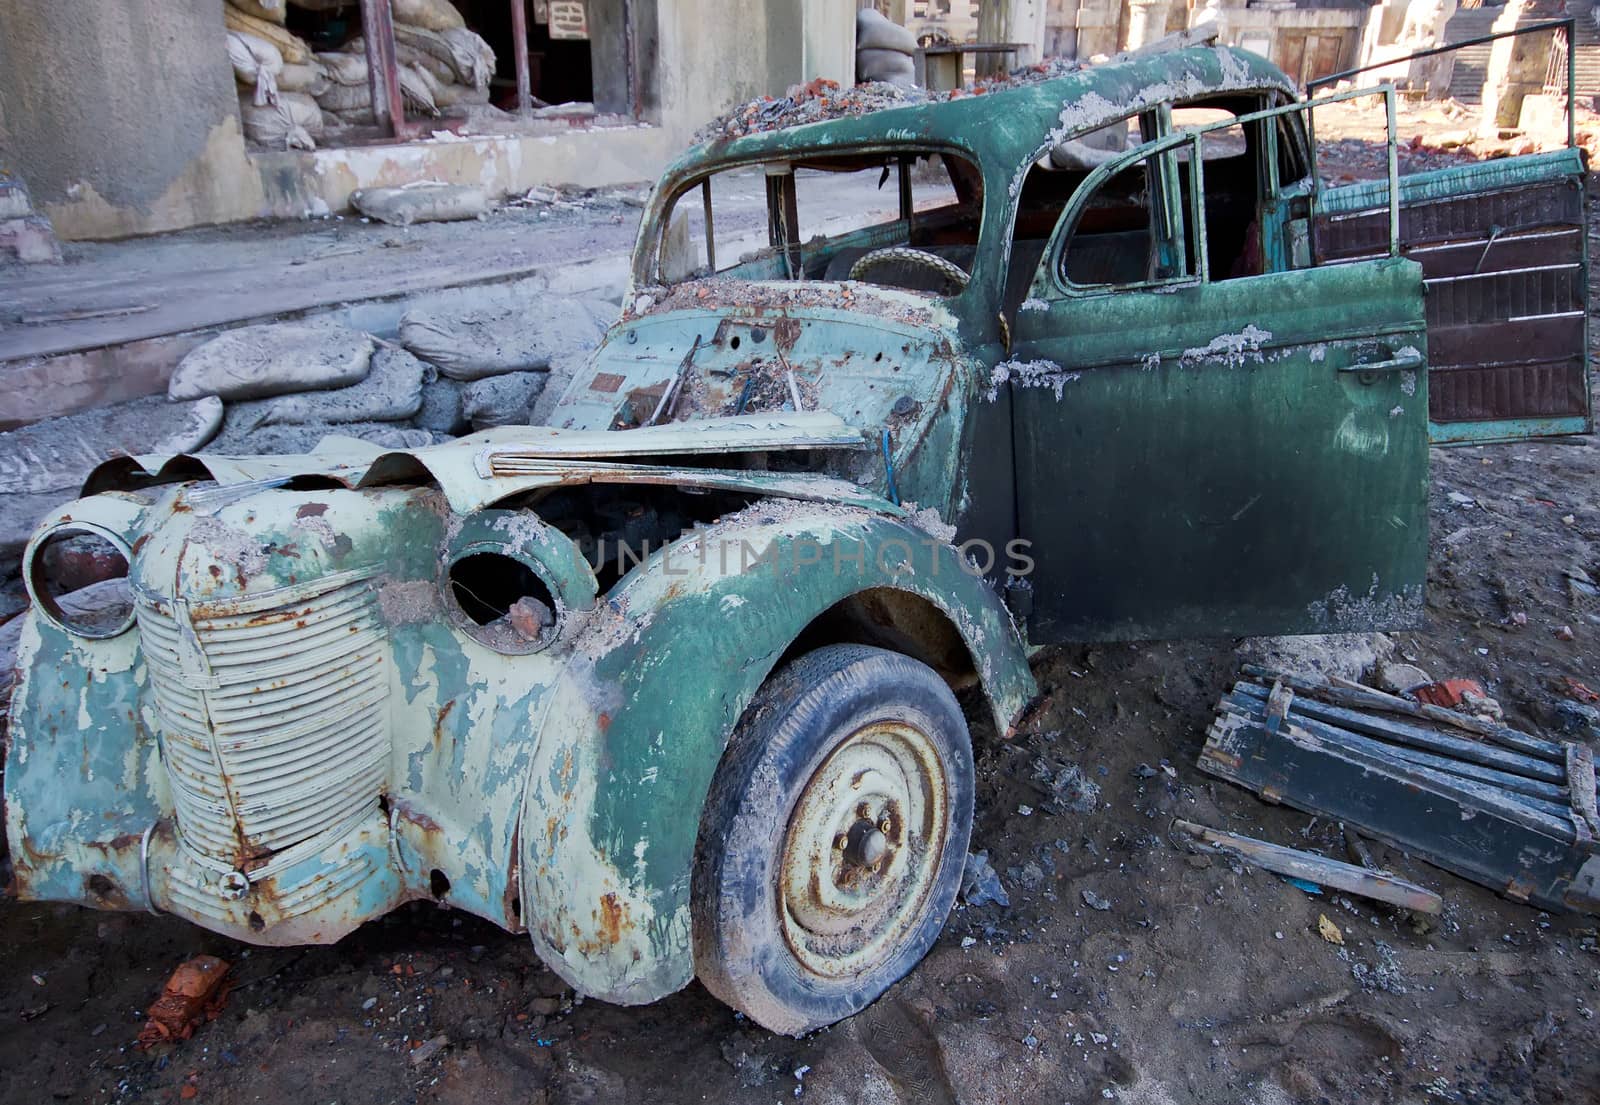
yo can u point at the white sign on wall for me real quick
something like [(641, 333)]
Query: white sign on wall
[(568, 19)]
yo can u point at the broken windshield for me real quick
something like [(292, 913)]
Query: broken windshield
[(903, 218)]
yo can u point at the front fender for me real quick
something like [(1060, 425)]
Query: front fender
[(659, 679)]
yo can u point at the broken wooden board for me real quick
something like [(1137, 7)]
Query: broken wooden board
[(1299, 864), (1507, 819)]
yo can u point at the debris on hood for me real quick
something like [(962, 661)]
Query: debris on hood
[(1414, 774)]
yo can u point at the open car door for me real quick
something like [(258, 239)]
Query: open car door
[(1204, 446), (1505, 262)]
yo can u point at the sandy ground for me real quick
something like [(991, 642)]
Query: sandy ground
[(1201, 981)]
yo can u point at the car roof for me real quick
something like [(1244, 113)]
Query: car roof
[(1014, 124)]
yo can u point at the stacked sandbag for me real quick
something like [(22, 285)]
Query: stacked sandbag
[(293, 121), (431, 41), (256, 65), (278, 77), (497, 349), (884, 50), (287, 385), (290, 45), (348, 94)]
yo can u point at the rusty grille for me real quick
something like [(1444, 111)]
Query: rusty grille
[(273, 715)]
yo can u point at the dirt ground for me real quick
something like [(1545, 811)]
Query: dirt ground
[(1199, 982)]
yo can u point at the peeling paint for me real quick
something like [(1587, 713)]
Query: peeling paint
[(1233, 350)]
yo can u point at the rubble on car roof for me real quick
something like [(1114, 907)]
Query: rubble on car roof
[(821, 100)]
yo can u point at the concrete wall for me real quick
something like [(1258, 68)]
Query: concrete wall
[(703, 72), (121, 116)]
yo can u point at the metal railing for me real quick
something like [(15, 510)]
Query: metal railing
[(1561, 44), (1566, 29)]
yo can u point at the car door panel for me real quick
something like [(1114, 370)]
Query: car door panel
[(1196, 461), (1503, 249)]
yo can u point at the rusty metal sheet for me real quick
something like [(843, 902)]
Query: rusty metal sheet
[(1504, 260)]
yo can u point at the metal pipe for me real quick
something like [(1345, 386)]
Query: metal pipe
[(383, 68), (519, 51), (1572, 89), (1532, 28), (1394, 170)]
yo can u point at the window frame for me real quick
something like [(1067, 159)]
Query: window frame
[(700, 180), (1049, 281)]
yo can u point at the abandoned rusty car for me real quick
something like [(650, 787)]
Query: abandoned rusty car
[(669, 684)]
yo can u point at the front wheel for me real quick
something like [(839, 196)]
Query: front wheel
[(833, 837)]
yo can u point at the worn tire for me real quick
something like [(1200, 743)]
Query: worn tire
[(845, 732)]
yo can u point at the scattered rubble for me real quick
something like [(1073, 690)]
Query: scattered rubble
[(980, 885), (193, 995)]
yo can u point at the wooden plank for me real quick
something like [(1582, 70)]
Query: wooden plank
[(1503, 845), (1550, 797), (519, 52), (1416, 736), (1504, 342), (1344, 692), (1558, 246), (383, 72), (1318, 869)]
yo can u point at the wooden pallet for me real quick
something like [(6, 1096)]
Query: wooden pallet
[(1512, 811)]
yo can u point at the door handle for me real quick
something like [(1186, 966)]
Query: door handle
[(1397, 362)]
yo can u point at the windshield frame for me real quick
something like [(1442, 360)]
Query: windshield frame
[(680, 183)]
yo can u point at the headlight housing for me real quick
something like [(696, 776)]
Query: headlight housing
[(76, 573), (509, 581)]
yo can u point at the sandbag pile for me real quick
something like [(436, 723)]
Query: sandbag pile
[(464, 361), (278, 76), (441, 64), (504, 355), (289, 96), (500, 349), (884, 50)]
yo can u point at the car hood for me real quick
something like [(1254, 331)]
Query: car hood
[(878, 358), (485, 468)]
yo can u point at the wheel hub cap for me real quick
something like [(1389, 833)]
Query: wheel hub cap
[(862, 849)]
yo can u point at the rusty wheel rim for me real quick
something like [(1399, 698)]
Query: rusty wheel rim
[(862, 850)]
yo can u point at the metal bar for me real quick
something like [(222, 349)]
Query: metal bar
[(383, 67), (907, 209), (1394, 170), (791, 222), (519, 51), (1197, 193), (711, 238), (1532, 28), (1319, 869)]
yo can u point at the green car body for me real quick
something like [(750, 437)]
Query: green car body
[(302, 723)]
